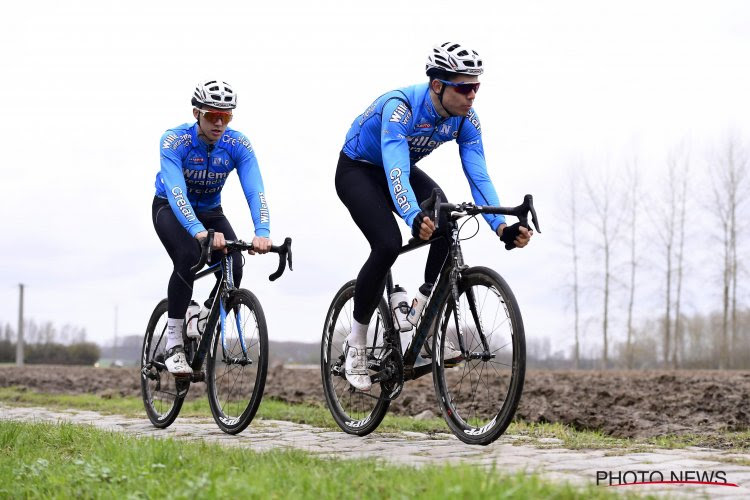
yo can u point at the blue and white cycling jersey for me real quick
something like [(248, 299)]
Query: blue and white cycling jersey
[(193, 173), (400, 128)]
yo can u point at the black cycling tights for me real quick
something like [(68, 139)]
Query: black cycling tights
[(184, 250), (363, 188)]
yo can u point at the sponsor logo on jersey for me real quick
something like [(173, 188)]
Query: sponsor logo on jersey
[(241, 140), (197, 159), (203, 174), (217, 160), (422, 144), (472, 117), (264, 217), (424, 125), (445, 129), (172, 141), (401, 114), (195, 178), (423, 141), (399, 191), (182, 204), (367, 113)]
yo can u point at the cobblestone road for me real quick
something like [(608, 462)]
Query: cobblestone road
[(552, 462)]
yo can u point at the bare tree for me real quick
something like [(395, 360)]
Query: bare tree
[(667, 212), (572, 204), (607, 217), (729, 176), (681, 161), (633, 184)]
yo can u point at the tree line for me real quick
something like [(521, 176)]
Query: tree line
[(671, 246), (45, 344)]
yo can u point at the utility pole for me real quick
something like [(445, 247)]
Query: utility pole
[(19, 344), (114, 347)]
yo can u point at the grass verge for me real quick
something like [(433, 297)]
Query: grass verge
[(540, 435), (66, 461)]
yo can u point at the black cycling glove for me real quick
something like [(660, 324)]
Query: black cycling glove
[(417, 223), (509, 235)]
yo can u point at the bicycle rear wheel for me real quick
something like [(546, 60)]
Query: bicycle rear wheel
[(236, 369), (162, 396), (354, 411), (479, 396)]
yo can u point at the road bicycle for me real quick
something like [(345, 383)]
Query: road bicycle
[(471, 309), (235, 338)]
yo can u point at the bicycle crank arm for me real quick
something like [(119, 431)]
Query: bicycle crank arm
[(192, 377), (383, 375)]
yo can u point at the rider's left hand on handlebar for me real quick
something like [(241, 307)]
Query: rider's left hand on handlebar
[(260, 245), (518, 234), (422, 227), (219, 243)]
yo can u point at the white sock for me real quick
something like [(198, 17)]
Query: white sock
[(358, 335), (174, 332)]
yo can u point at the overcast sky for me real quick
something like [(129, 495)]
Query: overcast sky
[(89, 87)]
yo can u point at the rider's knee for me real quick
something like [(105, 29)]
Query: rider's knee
[(387, 249), (187, 256)]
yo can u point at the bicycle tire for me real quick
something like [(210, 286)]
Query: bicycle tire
[(245, 382), (499, 379), (161, 394), (354, 412)]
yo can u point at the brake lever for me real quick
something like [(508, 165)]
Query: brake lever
[(529, 201)]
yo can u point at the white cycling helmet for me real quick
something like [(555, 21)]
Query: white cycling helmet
[(455, 58), (214, 93)]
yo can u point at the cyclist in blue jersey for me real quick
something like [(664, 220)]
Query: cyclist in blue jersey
[(377, 175), (196, 159)]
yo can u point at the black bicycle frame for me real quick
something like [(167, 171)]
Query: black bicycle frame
[(446, 285), (214, 314), (225, 288)]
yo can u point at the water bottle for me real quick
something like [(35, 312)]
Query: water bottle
[(400, 308), (191, 318), (202, 319), (418, 303)]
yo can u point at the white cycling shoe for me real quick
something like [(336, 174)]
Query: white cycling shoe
[(356, 367), (176, 362), (451, 356)]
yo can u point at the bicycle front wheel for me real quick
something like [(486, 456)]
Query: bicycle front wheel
[(356, 412), (237, 363), (162, 397), (479, 393)]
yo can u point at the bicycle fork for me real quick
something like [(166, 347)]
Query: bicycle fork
[(459, 265), (244, 360)]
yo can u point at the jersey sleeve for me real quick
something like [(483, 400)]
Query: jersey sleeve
[(174, 183), (395, 151), (252, 185), (471, 150)]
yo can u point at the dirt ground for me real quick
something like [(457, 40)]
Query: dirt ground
[(621, 404)]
